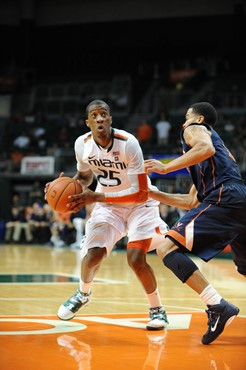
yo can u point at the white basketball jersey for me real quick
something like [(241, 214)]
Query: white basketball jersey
[(117, 168)]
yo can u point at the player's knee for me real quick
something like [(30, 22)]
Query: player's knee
[(165, 248), (136, 259), (181, 265), (95, 255)]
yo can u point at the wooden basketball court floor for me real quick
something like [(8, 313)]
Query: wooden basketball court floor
[(110, 333)]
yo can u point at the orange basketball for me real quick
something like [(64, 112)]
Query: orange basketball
[(58, 192)]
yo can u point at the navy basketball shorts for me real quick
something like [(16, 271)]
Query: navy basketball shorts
[(206, 230)]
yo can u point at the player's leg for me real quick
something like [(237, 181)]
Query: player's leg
[(238, 249), (136, 257), (82, 297), (144, 227), (220, 313), (91, 263), (97, 244)]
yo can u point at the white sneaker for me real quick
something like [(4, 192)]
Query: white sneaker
[(158, 319), (68, 310)]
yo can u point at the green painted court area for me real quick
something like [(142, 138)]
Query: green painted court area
[(37, 278)]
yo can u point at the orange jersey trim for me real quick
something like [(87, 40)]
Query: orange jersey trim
[(121, 137), (158, 231), (140, 244), (89, 137), (180, 238), (139, 197), (220, 194)]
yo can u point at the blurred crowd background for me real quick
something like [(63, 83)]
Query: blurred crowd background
[(148, 60)]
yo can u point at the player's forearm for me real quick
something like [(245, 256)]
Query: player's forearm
[(176, 200), (131, 199), (135, 198), (85, 179), (136, 194), (198, 153)]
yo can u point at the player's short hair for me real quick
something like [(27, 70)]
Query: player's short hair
[(99, 103), (207, 110)]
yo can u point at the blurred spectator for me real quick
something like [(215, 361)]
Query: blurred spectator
[(40, 224), (39, 137), (73, 121), (163, 127), (5, 162), (16, 156), (55, 230), (29, 118), (144, 132), (169, 214), (67, 229), (22, 141), (63, 232), (37, 193), (15, 225), (62, 137), (78, 219), (16, 202), (229, 127)]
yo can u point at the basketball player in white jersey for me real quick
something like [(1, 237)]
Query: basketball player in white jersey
[(122, 208)]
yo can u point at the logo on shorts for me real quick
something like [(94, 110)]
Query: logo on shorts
[(178, 225)]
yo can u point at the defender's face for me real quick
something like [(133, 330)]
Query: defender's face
[(99, 121), (192, 117)]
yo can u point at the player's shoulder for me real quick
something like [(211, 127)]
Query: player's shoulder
[(123, 135), (198, 127), (83, 139)]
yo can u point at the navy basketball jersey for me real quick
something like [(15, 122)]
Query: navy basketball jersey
[(214, 171)]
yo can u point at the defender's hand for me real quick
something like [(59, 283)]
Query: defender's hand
[(152, 165)]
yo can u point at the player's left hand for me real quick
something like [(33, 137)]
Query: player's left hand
[(46, 187), (153, 165)]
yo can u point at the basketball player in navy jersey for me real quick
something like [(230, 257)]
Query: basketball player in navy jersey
[(216, 216)]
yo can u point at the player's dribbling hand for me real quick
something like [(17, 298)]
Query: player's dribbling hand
[(153, 165), (46, 187)]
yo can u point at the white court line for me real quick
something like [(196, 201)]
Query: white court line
[(112, 313), (110, 299), (193, 309)]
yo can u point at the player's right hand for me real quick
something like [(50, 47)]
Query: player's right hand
[(46, 187), (153, 165)]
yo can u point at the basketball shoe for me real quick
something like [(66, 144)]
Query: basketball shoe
[(68, 310), (219, 316), (158, 319)]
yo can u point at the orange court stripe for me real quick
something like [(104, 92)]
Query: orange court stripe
[(110, 346)]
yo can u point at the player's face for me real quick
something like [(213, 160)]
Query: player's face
[(192, 117), (99, 121)]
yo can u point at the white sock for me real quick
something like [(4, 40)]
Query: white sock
[(210, 296), (154, 299), (85, 287)]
